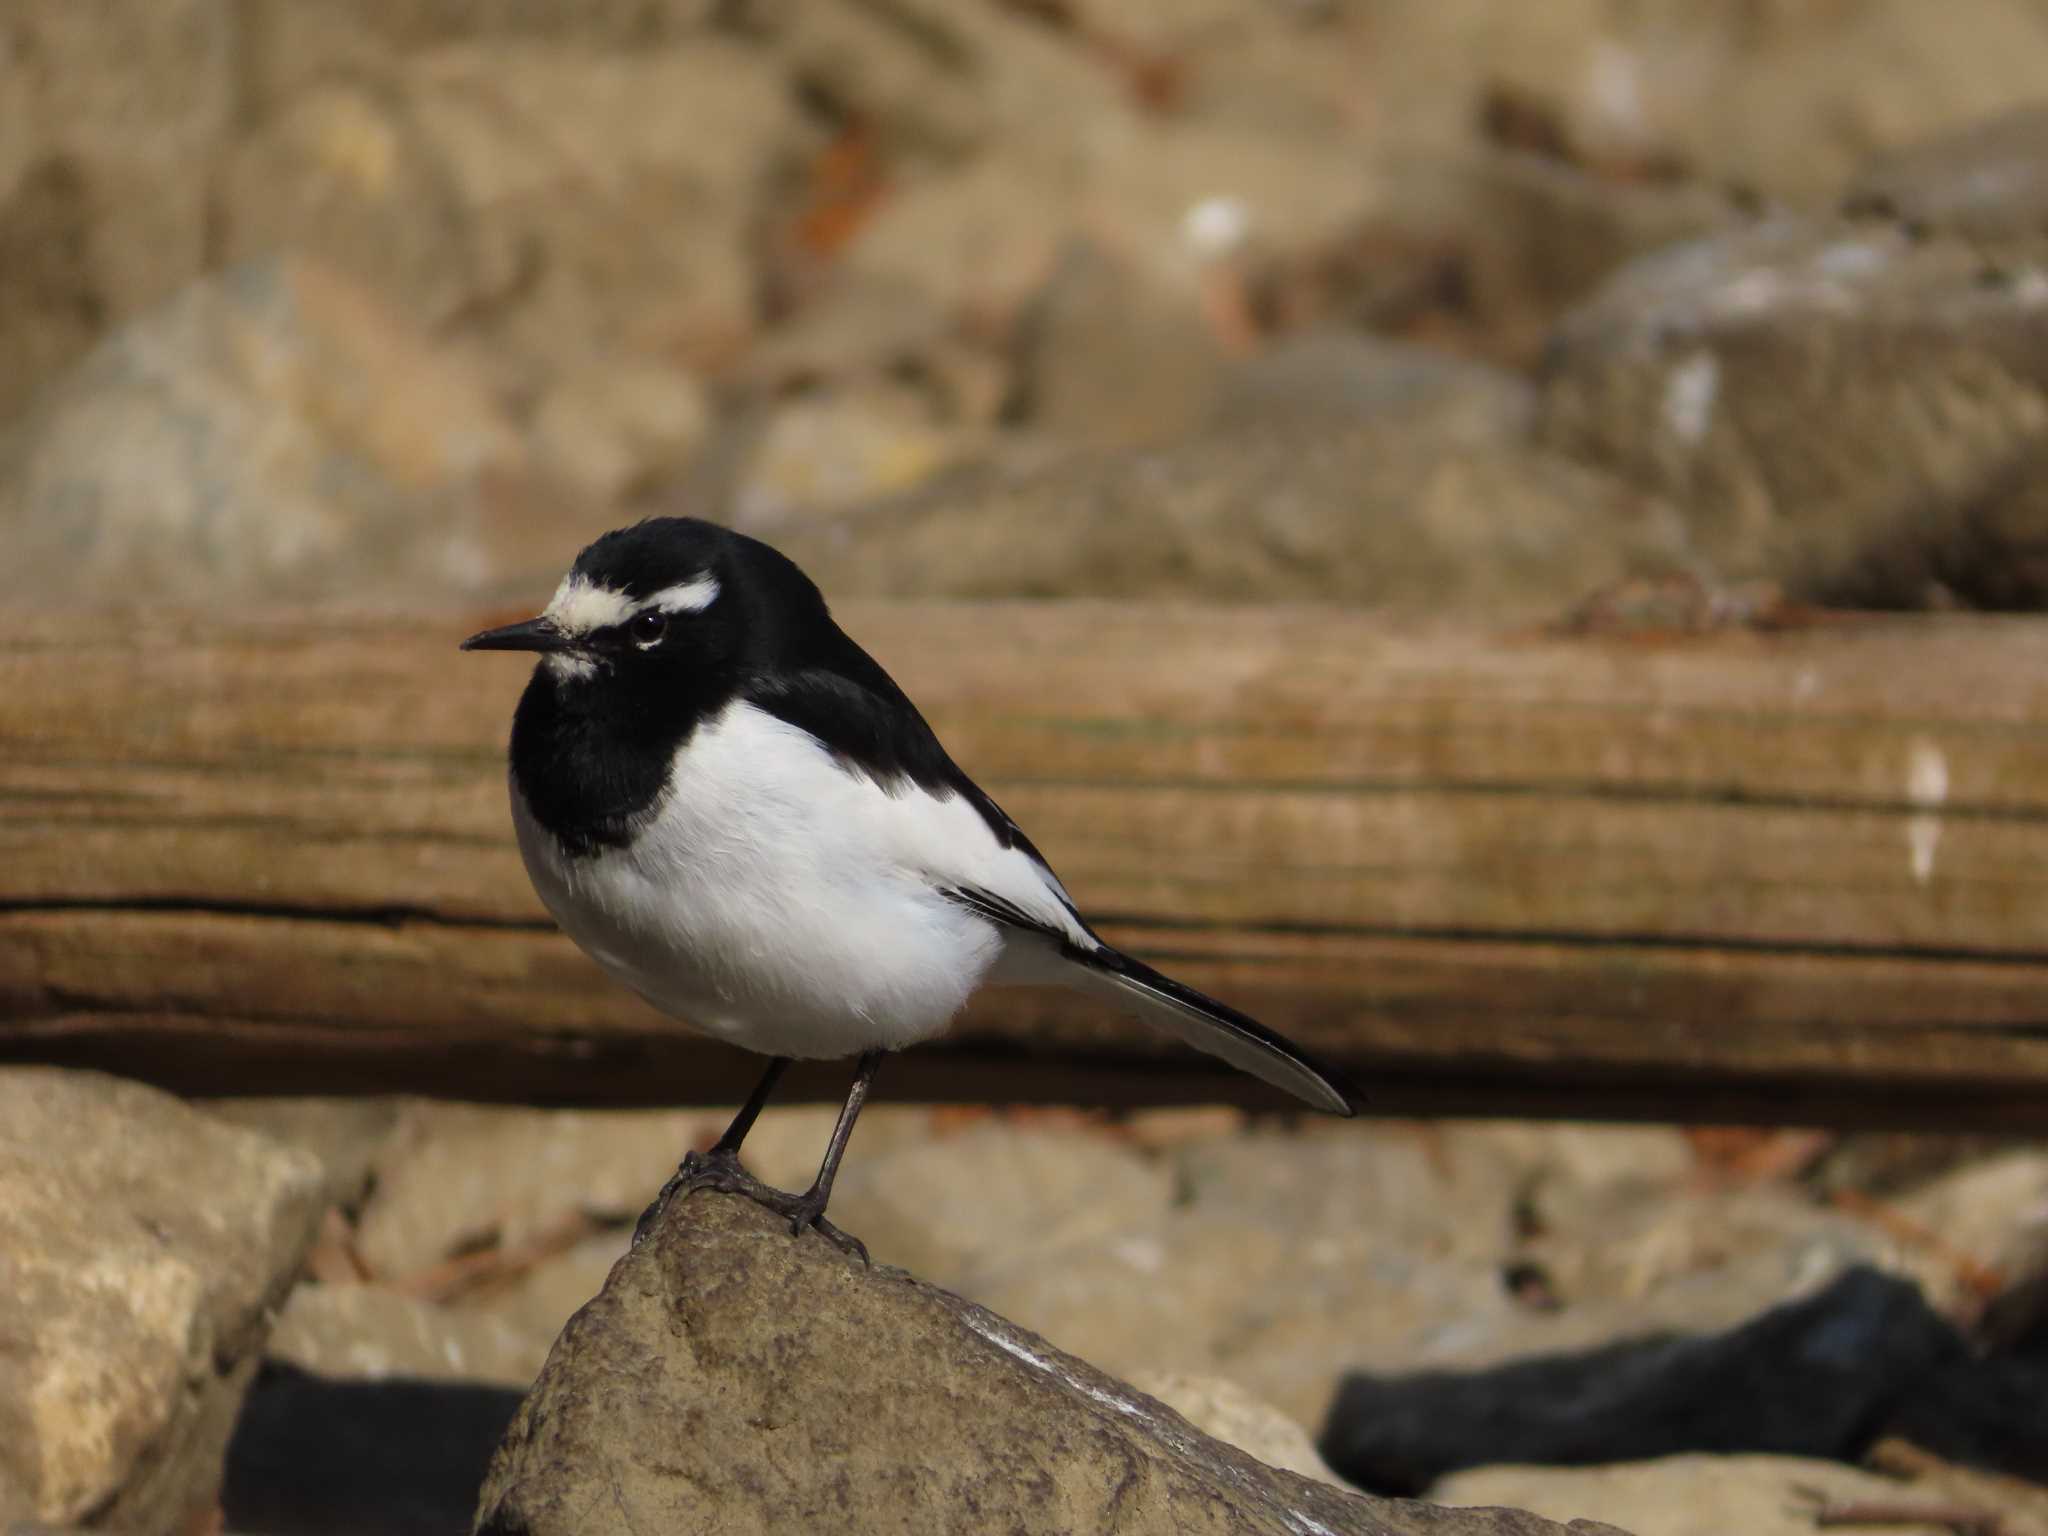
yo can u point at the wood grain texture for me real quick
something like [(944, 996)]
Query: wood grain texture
[(1798, 875)]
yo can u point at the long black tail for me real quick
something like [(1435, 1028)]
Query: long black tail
[(1211, 1027)]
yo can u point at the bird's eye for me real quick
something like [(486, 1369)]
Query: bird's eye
[(648, 628)]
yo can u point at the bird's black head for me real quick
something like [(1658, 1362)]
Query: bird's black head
[(669, 601), (654, 630)]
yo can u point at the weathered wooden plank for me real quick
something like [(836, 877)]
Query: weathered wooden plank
[(1802, 871)]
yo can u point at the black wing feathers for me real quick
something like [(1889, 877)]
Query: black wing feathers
[(1000, 909), (863, 719), (809, 672)]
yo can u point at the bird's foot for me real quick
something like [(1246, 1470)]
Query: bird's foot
[(808, 1210), (721, 1171)]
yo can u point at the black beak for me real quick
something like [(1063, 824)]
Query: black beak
[(532, 635)]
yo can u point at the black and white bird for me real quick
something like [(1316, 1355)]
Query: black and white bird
[(733, 809)]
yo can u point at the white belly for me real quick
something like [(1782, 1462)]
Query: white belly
[(779, 902)]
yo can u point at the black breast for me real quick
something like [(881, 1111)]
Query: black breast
[(592, 757)]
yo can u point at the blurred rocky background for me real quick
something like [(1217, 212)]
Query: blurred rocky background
[(1468, 302), (1468, 305)]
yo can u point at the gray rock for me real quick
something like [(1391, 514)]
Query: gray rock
[(280, 434), (1688, 1495), (290, 46), (369, 1333), (822, 453), (137, 96), (855, 324), (1993, 1212), (731, 1378), (1794, 100), (1220, 1407), (52, 306), (783, 1150), (1785, 98), (533, 1306), (1377, 512), (1177, 201), (1043, 137), (1109, 359), (547, 193), (1819, 1375), (615, 427), (949, 1207), (417, 22), (143, 1247), (1288, 1258), (345, 1134), (944, 78), (1345, 377), (456, 1175), (1537, 234), (974, 243), (452, 1176), (342, 173), (111, 117), (1988, 181), (1840, 406), (611, 197)]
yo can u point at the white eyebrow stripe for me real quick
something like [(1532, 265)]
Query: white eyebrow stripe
[(692, 596), (580, 606)]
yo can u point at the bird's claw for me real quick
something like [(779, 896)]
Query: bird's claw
[(722, 1171), (807, 1213)]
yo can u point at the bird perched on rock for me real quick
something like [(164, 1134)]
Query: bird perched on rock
[(733, 809)]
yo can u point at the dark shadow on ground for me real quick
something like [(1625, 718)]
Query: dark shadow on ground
[(314, 1457)]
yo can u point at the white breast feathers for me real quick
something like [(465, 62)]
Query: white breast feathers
[(781, 902)]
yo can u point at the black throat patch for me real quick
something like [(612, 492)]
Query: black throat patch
[(592, 755)]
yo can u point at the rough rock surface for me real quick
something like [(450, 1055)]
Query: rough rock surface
[(731, 1378), (143, 1246), (1854, 407)]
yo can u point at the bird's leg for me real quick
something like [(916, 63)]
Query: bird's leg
[(720, 1167), (728, 1145), (808, 1208)]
